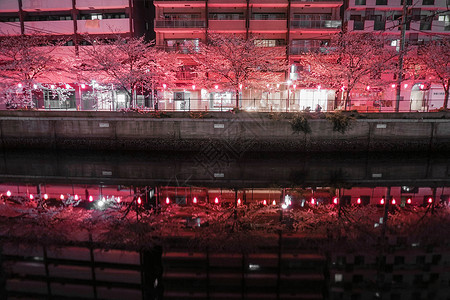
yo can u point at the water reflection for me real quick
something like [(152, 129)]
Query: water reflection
[(170, 226)]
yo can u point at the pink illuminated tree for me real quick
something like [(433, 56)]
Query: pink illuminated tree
[(234, 61), (432, 61), (129, 63), (352, 60), (26, 62)]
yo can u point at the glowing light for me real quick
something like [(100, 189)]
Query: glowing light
[(267, 85), (139, 200), (167, 200), (75, 197), (409, 201), (34, 86), (335, 200), (422, 86), (194, 200), (101, 203), (393, 85), (31, 197), (216, 87), (278, 85), (239, 201), (216, 200), (343, 88), (91, 198), (45, 196), (274, 202), (61, 197), (68, 86), (83, 86), (368, 88), (8, 193), (358, 201), (118, 200), (393, 202), (240, 86), (319, 87), (294, 86), (193, 87), (382, 201), (313, 201), (164, 86), (265, 202), (52, 86), (405, 85), (20, 85), (430, 200), (284, 206)]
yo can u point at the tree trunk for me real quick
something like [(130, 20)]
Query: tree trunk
[(347, 99), (237, 98), (446, 90)]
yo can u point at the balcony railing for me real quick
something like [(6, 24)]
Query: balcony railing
[(179, 49), (299, 50), (179, 23), (316, 24)]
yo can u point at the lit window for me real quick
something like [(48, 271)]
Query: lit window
[(96, 16)]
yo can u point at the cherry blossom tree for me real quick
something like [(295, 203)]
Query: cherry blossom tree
[(234, 62), (129, 63), (25, 63), (352, 60), (432, 61)]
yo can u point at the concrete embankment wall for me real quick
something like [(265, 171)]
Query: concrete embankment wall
[(232, 132)]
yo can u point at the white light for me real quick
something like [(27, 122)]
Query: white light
[(193, 87), (100, 203), (118, 199), (284, 206), (289, 82), (393, 86), (52, 86), (405, 85), (83, 85), (164, 86), (216, 87), (68, 86), (35, 86), (20, 85), (8, 193), (253, 267), (319, 87)]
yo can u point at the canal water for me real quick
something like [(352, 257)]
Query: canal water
[(224, 225)]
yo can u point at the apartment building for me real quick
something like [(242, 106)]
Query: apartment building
[(299, 26)]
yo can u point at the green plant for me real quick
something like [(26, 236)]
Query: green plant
[(341, 122), (300, 124)]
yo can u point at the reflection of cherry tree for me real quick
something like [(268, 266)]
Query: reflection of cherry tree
[(234, 62), (25, 61), (352, 60)]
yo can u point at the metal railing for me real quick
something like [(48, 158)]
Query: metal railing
[(180, 24), (334, 24), (257, 105)]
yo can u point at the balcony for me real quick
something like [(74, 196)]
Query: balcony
[(299, 50), (49, 27), (192, 23), (316, 3), (101, 4), (104, 26), (268, 26), (321, 24), (32, 5), (227, 25), (10, 28), (180, 3), (179, 49)]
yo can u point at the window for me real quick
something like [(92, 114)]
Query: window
[(226, 16), (381, 2), (181, 16), (303, 46), (182, 45), (269, 16), (48, 18), (360, 2), (397, 278), (270, 43), (399, 260), (428, 2)]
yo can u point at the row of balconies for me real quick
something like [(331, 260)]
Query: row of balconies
[(424, 4), (393, 26), (231, 25), (49, 5), (67, 26)]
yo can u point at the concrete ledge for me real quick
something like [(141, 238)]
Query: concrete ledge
[(235, 133)]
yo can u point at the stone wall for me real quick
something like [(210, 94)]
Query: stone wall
[(233, 132)]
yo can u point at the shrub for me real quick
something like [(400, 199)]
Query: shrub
[(300, 124), (341, 122)]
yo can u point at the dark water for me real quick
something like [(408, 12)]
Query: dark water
[(221, 225)]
